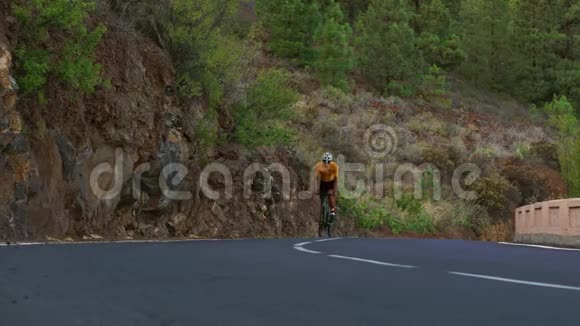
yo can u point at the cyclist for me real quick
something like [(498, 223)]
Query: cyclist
[(326, 173)]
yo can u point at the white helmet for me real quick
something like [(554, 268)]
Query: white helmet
[(327, 157)]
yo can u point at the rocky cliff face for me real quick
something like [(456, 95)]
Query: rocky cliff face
[(13, 146), (48, 153)]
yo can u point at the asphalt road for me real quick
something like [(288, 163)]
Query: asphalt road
[(273, 282)]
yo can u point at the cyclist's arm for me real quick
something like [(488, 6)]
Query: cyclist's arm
[(316, 180), (336, 180)]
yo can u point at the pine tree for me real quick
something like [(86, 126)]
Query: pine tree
[(568, 69), (333, 52), (537, 40), (486, 42), (203, 55), (387, 49), (290, 23), (354, 7), (454, 7), (439, 44)]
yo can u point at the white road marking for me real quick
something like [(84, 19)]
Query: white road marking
[(306, 250), (331, 239), (300, 246), (22, 244), (509, 280), (372, 261), (537, 246)]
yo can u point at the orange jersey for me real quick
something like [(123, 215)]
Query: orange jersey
[(327, 173)]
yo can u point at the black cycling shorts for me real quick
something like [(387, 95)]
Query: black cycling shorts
[(325, 187)]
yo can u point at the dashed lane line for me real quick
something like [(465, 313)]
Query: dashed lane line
[(300, 247), (537, 246), (331, 239), (307, 251), (511, 280), (372, 261)]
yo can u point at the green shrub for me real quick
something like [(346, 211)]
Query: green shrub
[(70, 57), (470, 215), (206, 135), (368, 212), (335, 99), (454, 215), (563, 117), (440, 157), (77, 67), (522, 150), (485, 153), (426, 123), (33, 70), (205, 56), (253, 132), (536, 183), (435, 82), (408, 203), (373, 218), (201, 37), (435, 87), (271, 95), (496, 194), (371, 213), (545, 153), (333, 137), (416, 220), (420, 222), (222, 60), (431, 183), (261, 120)]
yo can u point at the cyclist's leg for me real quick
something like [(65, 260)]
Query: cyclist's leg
[(332, 198), (322, 192)]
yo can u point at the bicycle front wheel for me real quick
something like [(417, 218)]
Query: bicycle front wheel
[(324, 218)]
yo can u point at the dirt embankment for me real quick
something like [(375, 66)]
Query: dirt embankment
[(47, 155)]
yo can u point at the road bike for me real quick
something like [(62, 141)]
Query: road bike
[(327, 221)]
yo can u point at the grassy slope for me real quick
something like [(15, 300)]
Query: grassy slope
[(493, 131)]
